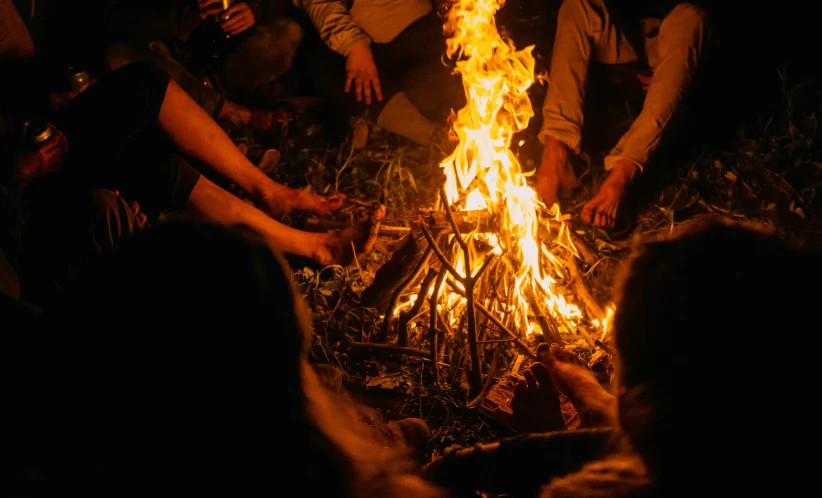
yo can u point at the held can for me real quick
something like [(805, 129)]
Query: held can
[(225, 4), (37, 131), (78, 79)]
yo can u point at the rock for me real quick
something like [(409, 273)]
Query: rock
[(269, 161), (359, 135)]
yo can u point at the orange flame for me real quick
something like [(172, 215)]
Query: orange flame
[(496, 78)]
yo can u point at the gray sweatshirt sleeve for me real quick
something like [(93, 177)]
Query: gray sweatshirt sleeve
[(334, 23)]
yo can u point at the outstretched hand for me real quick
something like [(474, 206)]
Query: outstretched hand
[(362, 73)]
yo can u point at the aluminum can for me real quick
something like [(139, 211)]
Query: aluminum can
[(37, 131), (226, 4), (78, 79)]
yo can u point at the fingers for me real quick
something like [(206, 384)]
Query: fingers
[(530, 378), (377, 87), (367, 91), (209, 7), (236, 26), (348, 82), (358, 89), (543, 375)]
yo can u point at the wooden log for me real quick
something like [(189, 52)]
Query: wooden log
[(393, 273)]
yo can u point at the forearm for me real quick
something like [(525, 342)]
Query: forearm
[(334, 24)]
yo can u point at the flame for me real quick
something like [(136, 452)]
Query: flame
[(496, 78)]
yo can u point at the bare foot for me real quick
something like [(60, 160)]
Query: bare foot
[(555, 177), (281, 202), (596, 406), (603, 208), (536, 405), (341, 247)]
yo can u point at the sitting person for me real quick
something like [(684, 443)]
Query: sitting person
[(668, 36), (261, 44), (123, 406), (384, 57), (138, 132), (683, 414)]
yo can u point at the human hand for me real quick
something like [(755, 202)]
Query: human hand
[(209, 7), (47, 158), (237, 18), (60, 99), (645, 80), (362, 72)]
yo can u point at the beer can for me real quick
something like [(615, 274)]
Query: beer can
[(78, 79), (37, 131), (225, 4)]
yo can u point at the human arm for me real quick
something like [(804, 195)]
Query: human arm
[(334, 24)]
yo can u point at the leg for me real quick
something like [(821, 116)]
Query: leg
[(681, 36), (208, 202), (585, 32), (157, 52), (201, 138), (265, 54)]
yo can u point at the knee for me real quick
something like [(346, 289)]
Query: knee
[(122, 54), (281, 37), (688, 19)]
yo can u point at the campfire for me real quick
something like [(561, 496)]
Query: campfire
[(490, 265)]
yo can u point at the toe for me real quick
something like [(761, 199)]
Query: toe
[(587, 213), (530, 378), (543, 376), (520, 389)]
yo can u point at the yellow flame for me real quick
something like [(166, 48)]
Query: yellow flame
[(496, 78)]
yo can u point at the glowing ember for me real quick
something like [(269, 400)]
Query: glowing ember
[(496, 78)]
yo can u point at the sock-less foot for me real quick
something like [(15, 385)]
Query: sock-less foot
[(555, 178), (572, 377), (535, 405), (341, 247), (285, 200), (603, 208)]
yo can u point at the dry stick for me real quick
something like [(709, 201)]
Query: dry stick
[(475, 378), (448, 333), (415, 352), (432, 245), (488, 380), (581, 291), (405, 316), (432, 329), (386, 322), (548, 329), (496, 321)]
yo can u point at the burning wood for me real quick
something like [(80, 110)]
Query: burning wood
[(489, 260)]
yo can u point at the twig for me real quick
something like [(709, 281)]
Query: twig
[(433, 330), (356, 261), (496, 321), (388, 348), (395, 297), (402, 326), (602, 346), (433, 246), (488, 379), (581, 291), (475, 378)]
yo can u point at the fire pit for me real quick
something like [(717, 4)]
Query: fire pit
[(490, 265)]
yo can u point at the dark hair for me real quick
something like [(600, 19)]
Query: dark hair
[(184, 369), (697, 312)]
